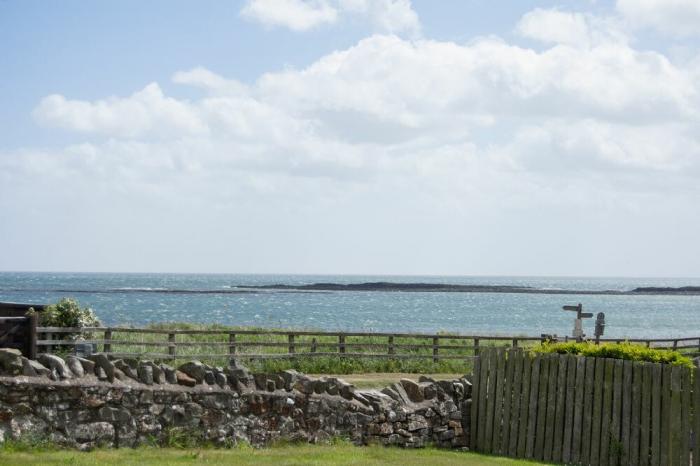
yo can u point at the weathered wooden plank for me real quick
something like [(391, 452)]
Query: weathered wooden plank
[(507, 401), (498, 400), (541, 408), (569, 416), (635, 414), (597, 414), (615, 448), (551, 406), (656, 396), (557, 445), (578, 410), (476, 387), (524, 406), (606, 413), (532, 412), (664, 457), (675, 417), (484, 381), (491, 400), (696, 417), (645, 415), (515, 404), (626, 418), (686, 415), (588, 391), (172, 344)]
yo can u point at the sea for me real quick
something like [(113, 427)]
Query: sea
[(135, 299)]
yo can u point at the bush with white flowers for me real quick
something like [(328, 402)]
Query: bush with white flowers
[(68, 313)]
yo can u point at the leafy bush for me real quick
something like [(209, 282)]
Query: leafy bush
[(68, 313), (626, 350)]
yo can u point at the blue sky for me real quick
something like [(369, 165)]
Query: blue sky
[(351, 136)]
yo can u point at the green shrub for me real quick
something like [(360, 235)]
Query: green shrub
[(626, 350)]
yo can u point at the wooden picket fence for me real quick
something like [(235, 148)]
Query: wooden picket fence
[(579, 410)]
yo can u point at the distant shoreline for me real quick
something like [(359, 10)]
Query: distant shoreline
[(386, 287), (453, 288)]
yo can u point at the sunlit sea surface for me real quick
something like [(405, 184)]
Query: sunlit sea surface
[(482, 313)]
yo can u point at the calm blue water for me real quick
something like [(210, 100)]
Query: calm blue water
[(484, 313)]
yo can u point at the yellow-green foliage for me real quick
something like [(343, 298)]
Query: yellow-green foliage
[(626, 350)]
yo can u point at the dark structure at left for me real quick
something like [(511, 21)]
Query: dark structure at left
[(18, 327)]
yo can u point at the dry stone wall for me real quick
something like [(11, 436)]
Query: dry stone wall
[(84, 403)]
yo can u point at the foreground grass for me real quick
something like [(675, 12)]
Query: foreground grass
[(343, 454)]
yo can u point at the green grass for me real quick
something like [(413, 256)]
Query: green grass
[(322, 455), (302, 362)]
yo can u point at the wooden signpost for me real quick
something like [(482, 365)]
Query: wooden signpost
[(578, 321)]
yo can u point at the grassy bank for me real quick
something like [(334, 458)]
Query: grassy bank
[(198, 346), (342, 454)]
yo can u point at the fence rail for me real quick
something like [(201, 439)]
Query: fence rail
[(266, 344), (589, 411)]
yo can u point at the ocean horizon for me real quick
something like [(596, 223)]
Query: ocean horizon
[(143, 298)]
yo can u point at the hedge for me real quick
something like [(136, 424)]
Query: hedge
[(625, 350)]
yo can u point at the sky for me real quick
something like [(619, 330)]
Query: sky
[(459, 137)]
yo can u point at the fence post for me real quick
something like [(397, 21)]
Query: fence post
[(313, 345), (476, 347), (436, 342), (341, 344), (107, 348), (171, 346), (231, 344), (291, 343), (31, 335), (391, 348), (515, 342)]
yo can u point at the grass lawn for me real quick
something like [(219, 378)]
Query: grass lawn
[(321, 455)]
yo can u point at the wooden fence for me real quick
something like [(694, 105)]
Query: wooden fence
[(265, 344), (580, 410), (168, 344)]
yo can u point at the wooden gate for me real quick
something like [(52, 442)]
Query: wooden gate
[(578, 410), (17, 329)]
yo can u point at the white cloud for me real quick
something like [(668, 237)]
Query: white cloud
[(393, 16), (570, 28), (146, 111), (205, 79), (386, 95), (297, 15), (673, 17)]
